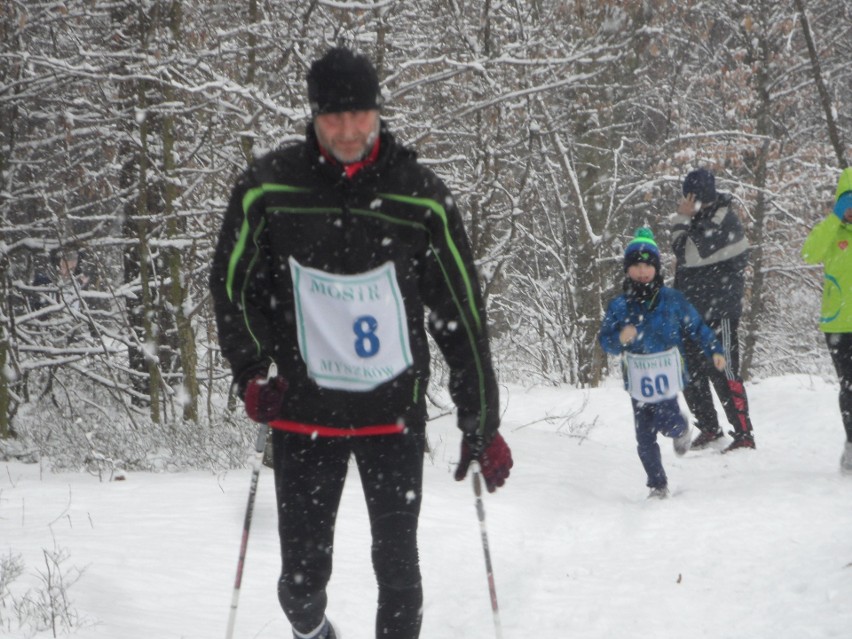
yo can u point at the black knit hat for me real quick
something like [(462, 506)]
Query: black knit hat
[(343, 80), (702, 184)]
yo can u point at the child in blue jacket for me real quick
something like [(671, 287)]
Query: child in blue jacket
[(646, 324)]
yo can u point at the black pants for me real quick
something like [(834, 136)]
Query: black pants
[(309, 477), (728, 383), (840, 347)]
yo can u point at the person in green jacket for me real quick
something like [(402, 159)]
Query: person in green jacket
[(830, 243)]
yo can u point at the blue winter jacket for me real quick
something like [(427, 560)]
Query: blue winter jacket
[(660, 322)]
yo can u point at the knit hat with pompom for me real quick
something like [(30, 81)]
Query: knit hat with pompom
[(642, 249)]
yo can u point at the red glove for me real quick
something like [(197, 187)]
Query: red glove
[(263, 398), (494, 462)]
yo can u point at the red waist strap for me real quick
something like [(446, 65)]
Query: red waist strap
[(332, 431)]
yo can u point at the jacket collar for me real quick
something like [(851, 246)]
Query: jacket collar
[(723, 200), (351, 169), (646, 295)]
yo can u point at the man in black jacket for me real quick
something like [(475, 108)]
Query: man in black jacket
[(711, 250), (329, 254)]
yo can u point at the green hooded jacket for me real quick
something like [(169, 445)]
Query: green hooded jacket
[(844, 183), (830, 243)]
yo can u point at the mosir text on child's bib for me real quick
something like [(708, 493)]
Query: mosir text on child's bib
[(353, 333), (655, 377)]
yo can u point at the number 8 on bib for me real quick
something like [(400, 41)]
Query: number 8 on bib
[(353, 333)]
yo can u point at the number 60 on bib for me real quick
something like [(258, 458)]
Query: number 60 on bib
[(654, 377)]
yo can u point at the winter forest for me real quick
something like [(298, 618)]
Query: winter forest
[(560, 127)]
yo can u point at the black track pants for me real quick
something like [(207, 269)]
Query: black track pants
[(728, 383), (309, 478), (840, 347)]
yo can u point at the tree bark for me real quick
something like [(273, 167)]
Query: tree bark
[(177, 290), (149, 312), (5, 395), (247, 141), (758, 227)]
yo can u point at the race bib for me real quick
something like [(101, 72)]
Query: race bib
[(353, 333), (655, 377)]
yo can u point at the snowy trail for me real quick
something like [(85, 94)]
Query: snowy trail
[(754, 544)]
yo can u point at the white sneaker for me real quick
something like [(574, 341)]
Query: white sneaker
[(846, 460), (684, 441)]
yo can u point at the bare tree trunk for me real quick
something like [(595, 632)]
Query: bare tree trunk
[(758, 227), (7, 134), (149, 314), (590, 310), (758, 304), (5, 396), (5, 323), (177, 291), (824, 97), (582, 252), (247, 141), (382, 28)]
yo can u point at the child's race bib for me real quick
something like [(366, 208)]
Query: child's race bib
[(353, 333), (655, 377)]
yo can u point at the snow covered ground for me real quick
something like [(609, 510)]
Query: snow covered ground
[(755, 544)]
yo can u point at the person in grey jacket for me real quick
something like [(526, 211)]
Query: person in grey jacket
[(711, 252)]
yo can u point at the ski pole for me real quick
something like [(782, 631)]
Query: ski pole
[(257, 462), (480, 513)]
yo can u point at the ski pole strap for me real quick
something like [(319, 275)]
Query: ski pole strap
[(333, 431)]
